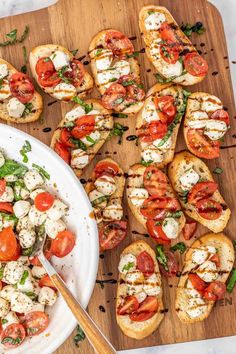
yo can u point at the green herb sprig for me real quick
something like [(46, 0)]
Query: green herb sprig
[(180, 246), (232, 281), (87, 107), (190, 29), (41, 170), (12, 37), (24, 150), (118, 130), (80, 336), (161, 257)]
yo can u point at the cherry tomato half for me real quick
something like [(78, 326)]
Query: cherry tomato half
[(202, 190), (3, 185), (114, 96), (155, 181), (118, 43), (145, 263), (106, 168), (201, 146), (221, 114), (155, 231), (130, 305), (150, 304), (84, 126), (13, 335), (112, 234), (44, 201), (21, 87), (35, 322), (63, 152), (8, 244), (195, 64), (209, 209), (215, 291), (63, 244)]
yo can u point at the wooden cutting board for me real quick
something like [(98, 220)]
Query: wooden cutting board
[(73, 23)]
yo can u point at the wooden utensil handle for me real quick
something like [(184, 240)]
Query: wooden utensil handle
[(93, 333)]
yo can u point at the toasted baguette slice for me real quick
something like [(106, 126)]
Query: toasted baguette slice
[(225, 250), (164, 154), (132, 329), (204, 104), (45, 51), (36, 101), (183, 161), (104, 130), (97, 50), (135, 180), (152, 39)]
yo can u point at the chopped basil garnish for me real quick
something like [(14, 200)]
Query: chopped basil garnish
[(99, 200), (80, 336), (74, 52), (118, 130), (69, 124), (128, 83), (87, 107), (161, 257), (11, 167), (119, 115), (27, 251), (24, 150), (180, 246), (146, 163), (113, 79), (184, 196), (98, 52), (28, 108), (79, 144), (128, 266), (196, 28), (46, 59), (42, 171), (1, 272), (11, 340), (133, 55), (119, 101), (30, 294), (90, 140), (61, 74), (31, 330), (4, 321), (218, 170), (12, 37), (24, 277), (9, 217), (24, 67), (150, 12), (163, 80), (232, 281), (175, 214), (1, 83)]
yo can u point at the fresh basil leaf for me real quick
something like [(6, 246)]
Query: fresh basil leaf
[(27, 251), (128, 83), (24, 277), (161, 257), (1, 83), (98, 52), (218, 170), (12, 35), (41, 170), (128, 266), (24, 34), (180, 246), (146, 163), (61, 74), (80, 336), (232, 281), (118, 130), (24, 150), (11, 340), (74, 52), (79, 144), (99, 200), (28, 108), (196, 28), (87, 107), (12, 167)]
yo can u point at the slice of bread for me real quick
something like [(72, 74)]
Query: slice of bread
[(225, 250), (183, 161), (45, 51), (139, 330), (104, 133), (37, 102)]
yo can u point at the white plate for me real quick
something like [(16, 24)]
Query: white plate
[(79, 268)]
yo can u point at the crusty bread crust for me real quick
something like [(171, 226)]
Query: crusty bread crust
[(91, 150), (139, 330), (226, 252), (138, 171), (175, 170), (149, 36), (46, 50), (37, 102), (99, 39)]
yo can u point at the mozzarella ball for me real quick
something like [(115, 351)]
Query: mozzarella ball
[(13, 272), (36, 217), (37, 307), (21, 208), (151, 154), (200, 255), (207, 271), (97, 198), (106, 185), (136, 276), (4, 307), (52, 228), (11, 178), (79, 158), (154, 21), (38, 272), (127, 263), (27, 238), (57, 210), (33, 179), (7, 291), (8, 195), (64, 91), (2, 159), (24, 223), (21, 302), (189, 179), (47, 296)]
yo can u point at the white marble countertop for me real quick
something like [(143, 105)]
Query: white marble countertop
[(227, 9)]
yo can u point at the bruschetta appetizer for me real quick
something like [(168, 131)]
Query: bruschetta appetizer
[(207, 265), (82, 133), (198, 192), (158, 123), (139, 306), (105, 190), (205, 124), (58, 73), (153, 203), (19, 102), (116, 71), (169, 49)]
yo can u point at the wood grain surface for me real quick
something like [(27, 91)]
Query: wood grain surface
[(72, 23)]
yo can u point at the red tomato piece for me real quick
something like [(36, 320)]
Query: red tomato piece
[(114, 96), (155, 231), (201, 146), (84, 126), (106, 168), (142, 316), (16, 332), (44, 201), (202, 190), (155, 181), (6, 207), (172, 265), (135, 93), (21, 87), (150, 304), (3, 185), (63, 152), (195, 64), (35, 322), (197, 282), (130, 305), (209, 209), (46, 281), (167, 105), (215, 291), (118, 43), (156, 207), (221, 114), (49, 81), (35, 261), (145, 263), (216, 259), (150, 132), (8, 244), (170, 52), (189, 229), (17, 254), (65, 138), (44, 67), (112, 234), (63, 244), (167, 33), (78, 72)]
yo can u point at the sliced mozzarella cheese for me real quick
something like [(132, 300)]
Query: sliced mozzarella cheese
[(200, 255), (24, 223), (155, 49), (169, 70), (21, 302), (97, 198), (154, 21), (149, 112), (211, 103), (4, 307), (167, 144), (38, 272), (64, 91), (106, 185), (3, 70), (151, 154), (135, 276), (196, 307), (127, 263), (74, 114), (152, 286), (33, 179), (37, 307), (27, 238), (47, 296), (21, 208), (11, 178), (52, 228), (104, 59), (57, 210), (190, 291), (113, 212), (13, 272), (107, 76), (189, 179), (5, 92), (133, 289), (7, 291), (98, 215), (8, 195), (79, 158), (36, 217), (122, 68), (9, 319), (91, 139), (59, 59), (141, 296), (195, 105), (37, 191), (170, 227), (207, 271), (137, 196), (102, 122), (197, 119), (15, 108), (215, 129), (190, 79), (2, 159)]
